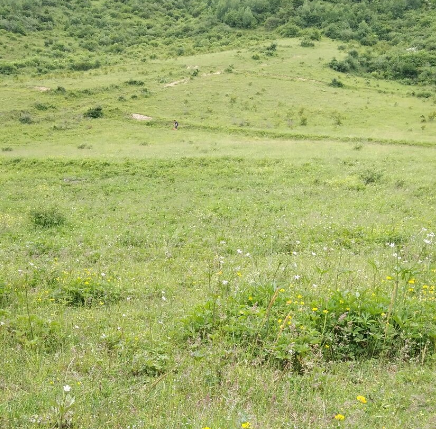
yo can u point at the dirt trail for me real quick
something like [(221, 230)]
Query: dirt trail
[(186, 80), (177, 82)]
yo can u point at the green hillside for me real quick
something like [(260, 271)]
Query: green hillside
[(269, 264), (398, 36)]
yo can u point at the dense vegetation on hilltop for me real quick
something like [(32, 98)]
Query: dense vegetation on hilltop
[(394, 39)]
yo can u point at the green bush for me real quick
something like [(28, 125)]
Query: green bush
[(336, 83), (135, 82), (94, 112), (8, 68), (289, 30)]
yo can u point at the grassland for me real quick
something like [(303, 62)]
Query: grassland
[(135, 258)]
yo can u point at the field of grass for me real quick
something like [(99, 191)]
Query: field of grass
[(269, 265)]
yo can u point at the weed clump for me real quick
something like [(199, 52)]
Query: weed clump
[(84, 146), (47, 218), (370, 176), (277, 328), (25, 118), (307, 43), (90, 289)]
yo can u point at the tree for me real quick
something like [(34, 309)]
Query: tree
[(248, 19)]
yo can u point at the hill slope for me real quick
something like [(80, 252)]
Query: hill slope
[(85, 34)]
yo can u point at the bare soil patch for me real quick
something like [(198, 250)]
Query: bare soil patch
[(139, 117)]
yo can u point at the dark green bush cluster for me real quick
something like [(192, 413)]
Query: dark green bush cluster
[(135, 82), (409, 66), (94, 112), (335, 83)]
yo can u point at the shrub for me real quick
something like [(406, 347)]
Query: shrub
[(134, 82), (42, 106), (8, 68), (340, 66), (94, 112), (25, 118), (307, 43), (336, 83), (432, 116), (85, 65), (289, 30), (272, 23), (47, 218), (370, 176), (271, 49)]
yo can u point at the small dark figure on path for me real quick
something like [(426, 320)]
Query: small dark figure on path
[(176, 125)]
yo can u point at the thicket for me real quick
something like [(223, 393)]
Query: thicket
[(399, 33)]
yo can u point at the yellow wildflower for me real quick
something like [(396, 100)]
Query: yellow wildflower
[(339, 417), (245, 425), (361, 399)]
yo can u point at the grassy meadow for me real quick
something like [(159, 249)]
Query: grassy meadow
[(269, 265)]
